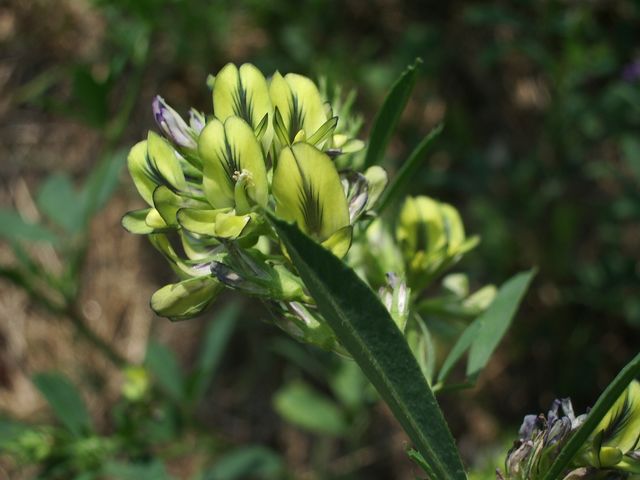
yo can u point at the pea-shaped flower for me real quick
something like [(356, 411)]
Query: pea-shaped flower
[(299, 112), (308, 191), (432, 238), (243, 92)]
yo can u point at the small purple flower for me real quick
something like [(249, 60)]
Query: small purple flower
[(172, 124)]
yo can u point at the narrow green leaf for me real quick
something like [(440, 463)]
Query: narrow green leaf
[(65, 401), (408, 169), (388, 116), (496, 321), (58, 200), (247, 462), (629, 373), (483, 335), (301, 405), (164, 366), (215, 341), (13, 227), (365, 328)]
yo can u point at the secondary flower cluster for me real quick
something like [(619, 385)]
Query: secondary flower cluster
[(276, 144), (612, 452)]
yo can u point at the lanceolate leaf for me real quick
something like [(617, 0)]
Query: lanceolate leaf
[(58, 200), (483, 335), (608, 398), (408, 169), (366, 330), (65, 401), (388, 116)]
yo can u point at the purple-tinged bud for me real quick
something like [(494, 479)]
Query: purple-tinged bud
[(172, 125), (197, 121)]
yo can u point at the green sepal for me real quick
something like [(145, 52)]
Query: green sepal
[(186, 299), (167, 203), (323, 133), (230, 154), (183, 268), (280, 128), (308, 191), (155, 221), (306, 325), (134, 222), (221, 223), (250, 271)]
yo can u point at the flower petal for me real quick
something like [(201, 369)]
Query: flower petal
[(243, 93), (299, 102), (229, 151), (307, 190)]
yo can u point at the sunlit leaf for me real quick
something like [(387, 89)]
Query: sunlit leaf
[(365, 329), (482, 336)]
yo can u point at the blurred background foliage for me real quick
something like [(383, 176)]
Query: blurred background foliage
[(540, 152)]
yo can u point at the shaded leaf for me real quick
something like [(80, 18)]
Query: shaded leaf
[(13, 227), (153, 470), (162, 363), (483, 335), (306, 408), (65, 401), (254, 462), (215, 341), (385, 122), (58, 200)]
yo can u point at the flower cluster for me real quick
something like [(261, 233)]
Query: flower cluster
[(612, 452), (277, 144)]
